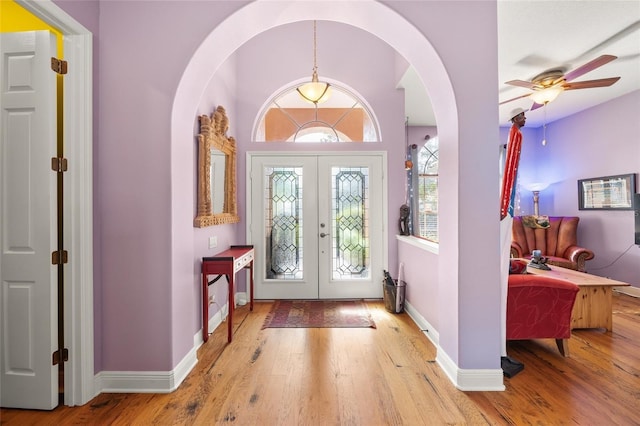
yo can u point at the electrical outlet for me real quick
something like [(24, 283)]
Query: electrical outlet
[(213, 242)]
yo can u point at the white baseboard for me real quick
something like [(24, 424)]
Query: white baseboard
[(422, 323), (470, 380), (465, 380), (145, 381), (629, 291), (168, 381), (160, 381)]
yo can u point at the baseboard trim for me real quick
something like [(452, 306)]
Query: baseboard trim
[(168, 381), (146, 381), (470, 380), (160, 381), (629, 291), (424, 325), (465, 380)]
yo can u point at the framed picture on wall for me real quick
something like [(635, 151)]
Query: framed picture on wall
[(607, 192)]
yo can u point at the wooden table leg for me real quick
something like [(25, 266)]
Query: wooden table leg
[(205, 308), (232, 304), (251, 286), (593, 308)]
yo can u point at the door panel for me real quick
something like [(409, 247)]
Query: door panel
[(284, 217), (351, 203), (317, 224), (28, 296)]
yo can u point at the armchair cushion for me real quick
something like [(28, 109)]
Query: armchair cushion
[(558, 242), (539, 307)]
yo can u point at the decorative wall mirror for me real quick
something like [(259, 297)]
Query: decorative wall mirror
[(216, 172)]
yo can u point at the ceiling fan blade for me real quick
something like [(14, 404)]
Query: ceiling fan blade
[(521, 83), (589, 66), (603, 82), (513, 99), (535, 106)]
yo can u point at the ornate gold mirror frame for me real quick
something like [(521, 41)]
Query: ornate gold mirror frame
[(213, 140)]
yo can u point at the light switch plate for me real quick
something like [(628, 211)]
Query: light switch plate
[(213, 242)]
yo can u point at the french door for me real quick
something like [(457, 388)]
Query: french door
[(317, 222)]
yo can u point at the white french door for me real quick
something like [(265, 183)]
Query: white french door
[(317, 223)]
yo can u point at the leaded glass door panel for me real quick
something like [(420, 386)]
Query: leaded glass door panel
[(318, 223), (351, 208)]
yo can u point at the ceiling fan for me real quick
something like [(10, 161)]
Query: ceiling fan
[(549, 84)]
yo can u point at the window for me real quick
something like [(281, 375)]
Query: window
[(342, 118), (427, 194)]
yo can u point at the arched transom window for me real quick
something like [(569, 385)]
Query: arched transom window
[(344, 117)]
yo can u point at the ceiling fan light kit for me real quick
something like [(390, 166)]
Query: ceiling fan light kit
[(547, 95), (547, 86)]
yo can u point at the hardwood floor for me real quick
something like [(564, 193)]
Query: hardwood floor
[(383, 376)]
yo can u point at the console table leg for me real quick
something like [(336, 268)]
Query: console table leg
[(251, 286), (205, 308), (232, 304)]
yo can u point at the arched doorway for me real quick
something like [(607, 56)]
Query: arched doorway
[(382, 21), (257, 17)]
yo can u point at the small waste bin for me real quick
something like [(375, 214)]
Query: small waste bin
[(393, 294)]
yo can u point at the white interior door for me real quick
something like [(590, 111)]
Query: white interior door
[(317, 222), (28, 231)]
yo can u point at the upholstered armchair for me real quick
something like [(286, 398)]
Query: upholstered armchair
[(539, 307), (558, 242)]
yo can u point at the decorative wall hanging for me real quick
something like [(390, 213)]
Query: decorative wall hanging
[(216, 171), (607, 192)]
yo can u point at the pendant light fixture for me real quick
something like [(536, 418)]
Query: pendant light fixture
[(314, 91)]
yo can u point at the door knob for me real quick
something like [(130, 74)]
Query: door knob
[(322, 235)]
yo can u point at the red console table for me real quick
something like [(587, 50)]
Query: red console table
[(226, 263)]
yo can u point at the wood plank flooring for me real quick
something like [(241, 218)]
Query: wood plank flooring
[(383, 376)]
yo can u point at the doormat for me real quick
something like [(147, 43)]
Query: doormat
[(319, 314)]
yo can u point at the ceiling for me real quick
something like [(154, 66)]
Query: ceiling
[(536, 36)]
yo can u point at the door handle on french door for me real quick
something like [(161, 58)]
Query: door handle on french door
[(322, 235)]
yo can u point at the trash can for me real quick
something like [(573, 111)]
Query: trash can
[(393, 294)]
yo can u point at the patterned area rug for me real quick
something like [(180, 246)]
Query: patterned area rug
[(319, 314)]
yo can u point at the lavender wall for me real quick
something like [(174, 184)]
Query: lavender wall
[(154, 80), (448, 115), (221, 91), (600, 141)]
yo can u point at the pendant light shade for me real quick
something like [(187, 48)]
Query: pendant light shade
[(315, 91)]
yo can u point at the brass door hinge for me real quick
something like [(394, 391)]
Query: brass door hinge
[(58, 164), (59, 66), (56, 358), (59, 257)]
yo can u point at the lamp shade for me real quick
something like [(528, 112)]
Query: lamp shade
[(536, 186)]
